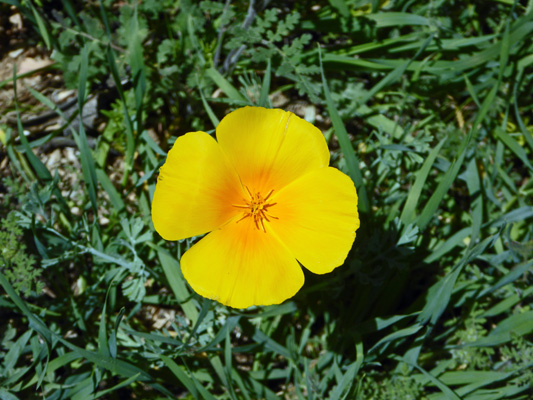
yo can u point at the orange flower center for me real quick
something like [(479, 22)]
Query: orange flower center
[(256, 207)]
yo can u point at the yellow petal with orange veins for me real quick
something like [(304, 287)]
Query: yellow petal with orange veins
[(195, 189), (317, 218), (240, 266), (271, 147)]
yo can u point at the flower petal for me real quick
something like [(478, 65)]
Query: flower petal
[(195, 189), (240, 266), (317, 218), (270, 147)]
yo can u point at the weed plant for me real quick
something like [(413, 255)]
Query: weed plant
[(427, 106)]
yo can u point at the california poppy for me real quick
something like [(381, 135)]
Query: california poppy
[(264, 193)]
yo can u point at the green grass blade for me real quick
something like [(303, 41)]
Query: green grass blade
[(449, 177), (494, 51), (348, 378), (181, 374), (47, 102), (202, 390), (227, 365), (439, 294), (449, 393), (515, 273), (226, 86), (176, 281), (341, 6), (210, 113), (130, 137), (264, 101), (384, 20), (152, 144), (518, 214), (107, 185), (472, 381), (87, 164), (87, 160), (103, 347), (271, 344), (401, 333), (395, 74), (138, 69), (504, 51), (43, 30), (514, 147), (517, 324), (346, 146), (152, 337), (219, 370), (408, 213), (105, 19), (229, 326), (40, 169), (473, 182), (124, 383), (507, 304), (113, 337), (455, 240), (203, 312)]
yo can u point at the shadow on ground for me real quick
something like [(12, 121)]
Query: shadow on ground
[(379, 279)]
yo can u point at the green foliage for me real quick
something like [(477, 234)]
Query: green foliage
[(426, 105), (267, 39), (471, 357), (15, 263), (518, 357), (401, 385)]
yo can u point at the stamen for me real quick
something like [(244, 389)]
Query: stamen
[(245, 216), (268, 195), (257, 208), (250, 193)]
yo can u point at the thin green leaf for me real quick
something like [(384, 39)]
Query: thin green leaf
[(229, 326), (43, 30), (138, 69), (395, 74), (87, 160), (449, 177), (107, 185), (449, 393), (348, 378), (181, 374), (346, 146), (40, 169), (271, 344), (408, 213), (341, 6), (264, 101), (226, 86), (212, 117), (384, 20), (514, 147), (227, 365), (176, 281), (130, 137), (515, 273), (124, 383), (440, 293)]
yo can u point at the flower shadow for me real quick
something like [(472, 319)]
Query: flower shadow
[(380, 278)]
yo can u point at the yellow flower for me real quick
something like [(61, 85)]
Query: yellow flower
[(265, 193)]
